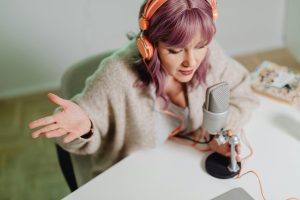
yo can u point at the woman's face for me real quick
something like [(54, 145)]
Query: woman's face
[(181, 63)]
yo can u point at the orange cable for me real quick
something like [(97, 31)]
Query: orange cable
[(259, 181), (179, 129), (243, 137)]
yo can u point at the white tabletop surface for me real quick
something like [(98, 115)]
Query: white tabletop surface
[(174, 171)]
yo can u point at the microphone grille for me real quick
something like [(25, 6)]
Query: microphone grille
[(218, 99)]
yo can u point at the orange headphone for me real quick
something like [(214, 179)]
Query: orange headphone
[(145, 47)]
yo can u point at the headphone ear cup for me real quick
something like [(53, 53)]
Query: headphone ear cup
[(145, 48)]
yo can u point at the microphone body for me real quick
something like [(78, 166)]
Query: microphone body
[(215, 108)]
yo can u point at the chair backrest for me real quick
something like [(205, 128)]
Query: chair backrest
[(73, 82)]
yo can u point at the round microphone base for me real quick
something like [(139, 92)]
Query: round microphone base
[(217, 166)]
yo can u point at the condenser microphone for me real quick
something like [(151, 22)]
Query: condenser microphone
[(215, 108)]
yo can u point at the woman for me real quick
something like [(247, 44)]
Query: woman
[(127, 102)]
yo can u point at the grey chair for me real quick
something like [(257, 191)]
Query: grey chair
[(73, 82)]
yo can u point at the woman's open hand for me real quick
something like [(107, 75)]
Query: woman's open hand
[(70, 121)]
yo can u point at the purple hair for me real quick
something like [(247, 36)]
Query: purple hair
[(175, 23)]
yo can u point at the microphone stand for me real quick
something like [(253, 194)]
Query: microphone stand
[(220, 166)]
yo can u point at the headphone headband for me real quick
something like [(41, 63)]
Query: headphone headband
[(153, 5), (213, 4), (145, 47), (150, 8)]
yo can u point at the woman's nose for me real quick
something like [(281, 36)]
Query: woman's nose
[(190, 60)]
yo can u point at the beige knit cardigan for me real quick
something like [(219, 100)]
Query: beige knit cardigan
[(123, 115)]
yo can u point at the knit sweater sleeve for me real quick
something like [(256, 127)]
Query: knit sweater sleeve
[(96, 103), (242, 99)]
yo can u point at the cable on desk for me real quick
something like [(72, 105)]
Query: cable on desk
[(194, 140), (244, 139)]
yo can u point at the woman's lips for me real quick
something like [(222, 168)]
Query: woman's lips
[(186, 72)]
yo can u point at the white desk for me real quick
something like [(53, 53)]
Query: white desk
[(173, 171)]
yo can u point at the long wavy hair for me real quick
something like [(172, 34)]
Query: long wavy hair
[(175, 23)]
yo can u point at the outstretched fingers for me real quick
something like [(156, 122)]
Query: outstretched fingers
[(45, 129), (56, 133), (42, 122)]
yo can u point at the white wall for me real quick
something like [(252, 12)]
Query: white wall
[(293, 28), (246, 26), (39, 39)]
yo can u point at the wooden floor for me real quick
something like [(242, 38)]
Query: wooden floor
[(29, 168), (280, 56)]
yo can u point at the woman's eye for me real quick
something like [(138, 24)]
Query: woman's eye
[(199, 47), (173, 51)]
